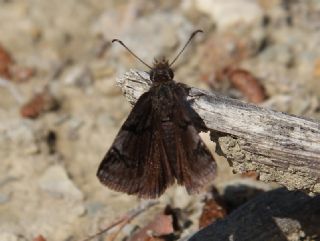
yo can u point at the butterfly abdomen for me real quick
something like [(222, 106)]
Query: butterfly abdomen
[(168, 130)]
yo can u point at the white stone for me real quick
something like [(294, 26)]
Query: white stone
[(229, 12), (56, 181), (79, 76), (4, 198), (5, 236)]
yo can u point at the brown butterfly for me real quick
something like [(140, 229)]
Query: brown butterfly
[(159, 142)]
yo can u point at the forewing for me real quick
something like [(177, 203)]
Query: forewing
[(136, 162)]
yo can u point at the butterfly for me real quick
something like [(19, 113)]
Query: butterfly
[(159, 143)]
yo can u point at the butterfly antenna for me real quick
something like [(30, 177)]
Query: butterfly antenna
[(120, 42), (189, 40)]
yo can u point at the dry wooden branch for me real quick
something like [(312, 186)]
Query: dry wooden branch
[(282, 148)]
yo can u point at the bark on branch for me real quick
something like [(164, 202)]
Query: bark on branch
[(282, 148)]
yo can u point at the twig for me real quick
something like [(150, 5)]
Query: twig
[(282, 148), (128, 217)]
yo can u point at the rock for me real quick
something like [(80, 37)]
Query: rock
[(297, 104), (280, 54), (4, 198), (93, 208), (19, 136), (56, 181), (79, 76), (39, 103), (74, 125), (161, 225), (179, 198), (6, 236), (78, 210), (227, 13)]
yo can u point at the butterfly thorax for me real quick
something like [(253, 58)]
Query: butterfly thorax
[(161, 71)]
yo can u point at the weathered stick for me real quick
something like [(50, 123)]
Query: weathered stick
[(282, 148)]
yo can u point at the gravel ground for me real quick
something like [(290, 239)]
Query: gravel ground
[(48, 184)]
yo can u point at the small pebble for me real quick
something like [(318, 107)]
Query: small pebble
[(93, 208), (6, 236), (227, 13), (79, 76), (56, 181), (4, 198)]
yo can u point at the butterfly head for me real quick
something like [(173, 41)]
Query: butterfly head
[(161, 71)]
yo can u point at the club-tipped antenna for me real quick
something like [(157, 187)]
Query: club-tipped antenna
[(120, 42), (189, 40)]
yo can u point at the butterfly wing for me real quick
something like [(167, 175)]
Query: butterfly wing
[(136, 162), (157, 144), (191, 162), (194, 164)]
